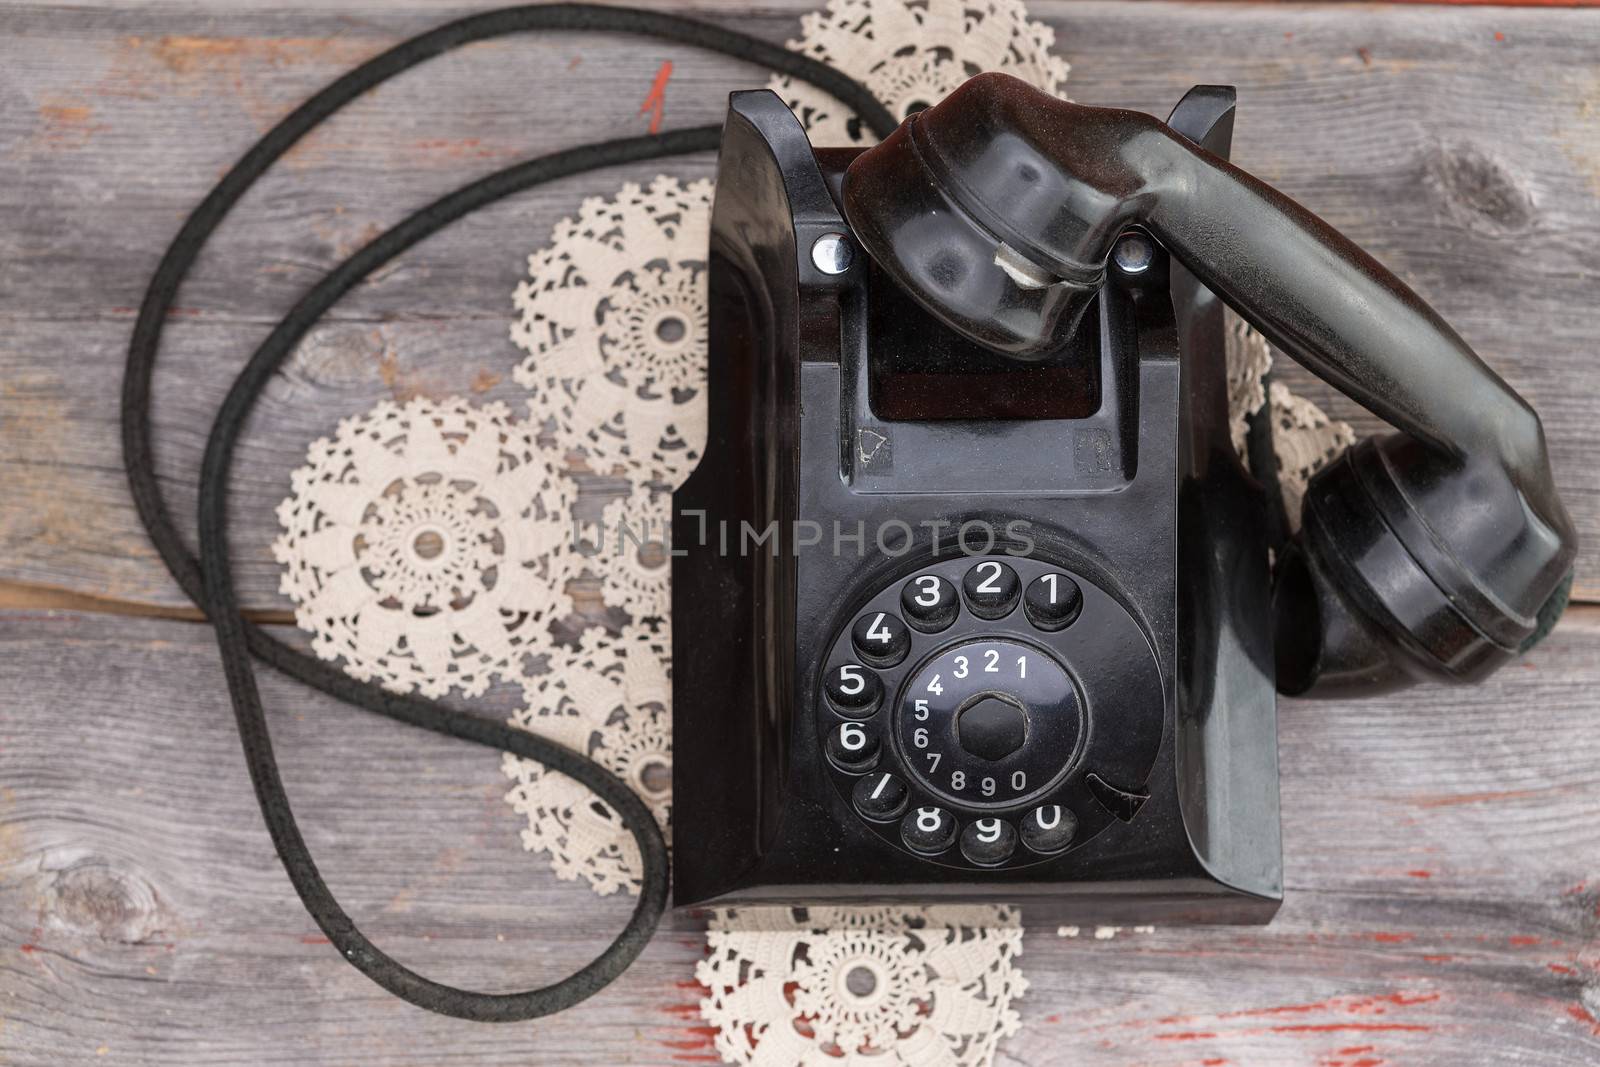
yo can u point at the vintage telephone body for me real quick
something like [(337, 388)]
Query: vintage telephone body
[(874, 702)]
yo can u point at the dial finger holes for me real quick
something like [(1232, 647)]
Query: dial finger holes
[(988, 842), (853, 690), (991, 588), (928, 831), (1053, 601), (930, 603), (852, 747), (881, 638)]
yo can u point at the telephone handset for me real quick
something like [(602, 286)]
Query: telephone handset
[(972, 596), (1444, 541)]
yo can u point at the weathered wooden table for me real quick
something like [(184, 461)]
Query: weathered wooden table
[(1442, 848)]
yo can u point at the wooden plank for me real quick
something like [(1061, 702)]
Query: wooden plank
[(1462, 147), (1442, 855)]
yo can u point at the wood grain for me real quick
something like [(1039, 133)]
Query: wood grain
[(1442, 849), (1442, 858), (1461, 147)]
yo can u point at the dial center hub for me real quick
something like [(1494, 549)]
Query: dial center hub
[(991, 727), (989, 722)]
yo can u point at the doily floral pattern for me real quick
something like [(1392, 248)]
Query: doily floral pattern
[(613, 318), (427, 546), (1304, 438), (635, 568), (916, 986), (912, 55), (611, 700), (1249, 359)]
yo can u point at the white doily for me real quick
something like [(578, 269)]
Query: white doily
[(1249, 359), (613, 318), (1304, 438), (635, 569), (912, 55), (427, 545), (912, 986), (610, 699)]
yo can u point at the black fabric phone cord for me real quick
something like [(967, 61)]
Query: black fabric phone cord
[(208, 581)]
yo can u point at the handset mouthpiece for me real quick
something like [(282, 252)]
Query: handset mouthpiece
[(924, 204)]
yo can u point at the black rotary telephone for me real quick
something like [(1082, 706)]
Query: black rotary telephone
[(973, 597)]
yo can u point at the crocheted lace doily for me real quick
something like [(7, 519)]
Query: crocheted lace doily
[(1304, 438), (426, 546), (610, 699), (613, 318), (913, 55), (880, 986), (633, 561)]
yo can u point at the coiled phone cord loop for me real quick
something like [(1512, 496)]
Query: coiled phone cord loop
[(208, 581)]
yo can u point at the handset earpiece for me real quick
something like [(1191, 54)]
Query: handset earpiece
[(1427, 554)]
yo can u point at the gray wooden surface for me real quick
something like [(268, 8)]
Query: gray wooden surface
[(1443, 849), (1440, 857)]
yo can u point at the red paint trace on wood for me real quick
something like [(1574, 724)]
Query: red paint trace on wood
[(1393, 939), (1489, 797), (655, 102), (1580, 1013), (1330, 1028), (701, 1037), (1366, 1005), (1362, 1005), (1363, 1052)]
